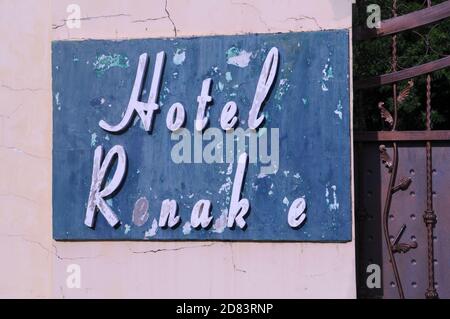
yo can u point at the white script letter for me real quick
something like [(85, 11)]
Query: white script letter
[(203, 99), (96, 196), (265, 82), (228, 116), (168, 214), (144, 110), (200, 214), (238, 207), (297, 215)]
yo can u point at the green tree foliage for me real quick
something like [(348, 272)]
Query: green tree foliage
[(414, 47)]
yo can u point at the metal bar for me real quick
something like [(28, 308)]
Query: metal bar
[(405, 22), (393, 177), (403, 74), (429, 216), (401, 136), (386, 209), (399, 234)]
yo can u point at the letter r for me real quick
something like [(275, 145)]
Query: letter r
[(96, 195)]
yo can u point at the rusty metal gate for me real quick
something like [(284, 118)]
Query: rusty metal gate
[(402, 178)]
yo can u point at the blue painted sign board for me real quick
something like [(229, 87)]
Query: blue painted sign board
[(306, 123)]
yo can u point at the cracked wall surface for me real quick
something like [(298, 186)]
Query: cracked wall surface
[(25, 150), (33, 265), (167, 18)]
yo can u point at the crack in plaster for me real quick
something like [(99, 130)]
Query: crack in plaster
[(167, 16), (46, 249), (57, 26), (72, 258), (255, 9), (8, 116), (21, 89), (154, 251), (234, 264), (18, 150), (170, 18), (303, 17), (149, 19), (21, 197)]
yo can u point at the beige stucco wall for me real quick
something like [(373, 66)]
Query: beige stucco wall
[(33, 265)]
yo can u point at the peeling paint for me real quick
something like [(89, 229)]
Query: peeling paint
[(261, 175), (105, 62), (57, 101), (334, 205), (228, 77), (179, 56), (230, 169), (338, 110), (220, 223), (187, 228), (327, 72), (283, 88), (127, 229), (226, 187), (239, 58), (93, 139), (327, 75)]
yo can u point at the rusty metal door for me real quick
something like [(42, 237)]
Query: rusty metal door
[(402, 179)]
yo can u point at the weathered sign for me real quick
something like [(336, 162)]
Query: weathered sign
[(210, 138)]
